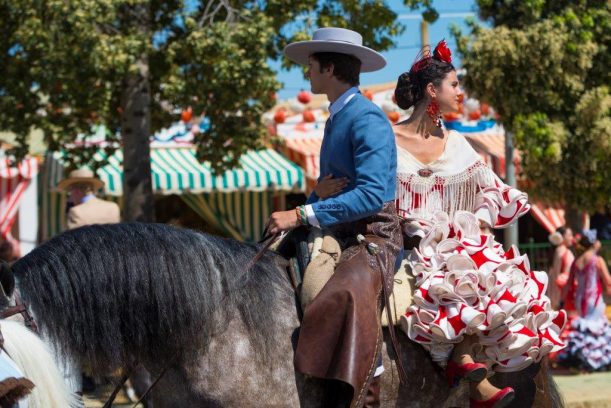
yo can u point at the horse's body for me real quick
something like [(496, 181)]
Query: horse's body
[(36, 363), (183, 301)]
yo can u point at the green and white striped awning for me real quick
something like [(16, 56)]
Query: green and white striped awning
[(176, 170)]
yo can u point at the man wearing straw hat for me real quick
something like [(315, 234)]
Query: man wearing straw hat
[(340, 336), (81, 185)]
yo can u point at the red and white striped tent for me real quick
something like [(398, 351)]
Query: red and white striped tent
[(15, 178)]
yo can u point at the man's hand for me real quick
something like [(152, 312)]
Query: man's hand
[(330, 186), (283, 221)]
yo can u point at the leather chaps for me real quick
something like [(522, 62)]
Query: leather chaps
[(340, 336)]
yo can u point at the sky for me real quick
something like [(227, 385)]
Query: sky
[(408, 44)]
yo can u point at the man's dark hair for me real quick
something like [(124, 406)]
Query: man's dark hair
[(346, 68)]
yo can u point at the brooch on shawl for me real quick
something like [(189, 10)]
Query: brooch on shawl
[(425, 172)]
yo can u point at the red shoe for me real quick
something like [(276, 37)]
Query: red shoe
[(474, 372), (499, 400)]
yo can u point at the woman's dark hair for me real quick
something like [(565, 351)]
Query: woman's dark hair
[(411, 85), (346, 68), (561, 230), (585, 243)]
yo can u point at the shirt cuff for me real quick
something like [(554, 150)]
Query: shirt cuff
[(312, 220)]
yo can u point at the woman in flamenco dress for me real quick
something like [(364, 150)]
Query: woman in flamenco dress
[(589, 335), (476, 308)]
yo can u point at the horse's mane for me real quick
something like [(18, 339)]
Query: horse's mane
[(112, 293)]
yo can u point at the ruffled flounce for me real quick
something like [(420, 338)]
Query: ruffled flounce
[(499, 205), (466, 284), (588, 344)]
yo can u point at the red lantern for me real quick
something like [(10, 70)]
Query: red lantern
[(451, 117), (280, 116), (485, 108), (187, 115), (393, 116), (304, 97), (308, 116), (475, 115), (368, 94)]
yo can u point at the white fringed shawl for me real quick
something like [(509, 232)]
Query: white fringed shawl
[(453, 184)]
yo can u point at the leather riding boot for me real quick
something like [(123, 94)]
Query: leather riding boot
[(372, 398), (337, 395)]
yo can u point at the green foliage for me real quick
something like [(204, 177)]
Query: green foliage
[(64, 64), (429, 14), (544, 67)]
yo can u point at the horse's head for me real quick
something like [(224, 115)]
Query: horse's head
[(7, 284)]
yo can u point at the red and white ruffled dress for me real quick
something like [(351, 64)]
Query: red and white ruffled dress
[(465, 282)]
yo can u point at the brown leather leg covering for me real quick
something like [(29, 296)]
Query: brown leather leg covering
[(372, 398), (340, 335)]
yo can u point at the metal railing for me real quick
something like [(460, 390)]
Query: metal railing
[(540, 253)]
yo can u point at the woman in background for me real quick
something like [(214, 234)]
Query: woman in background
[(562, 260), (589, 338)]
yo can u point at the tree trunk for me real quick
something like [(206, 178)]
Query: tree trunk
[(138, 200)]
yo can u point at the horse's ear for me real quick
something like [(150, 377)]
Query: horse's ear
[(7, 279)]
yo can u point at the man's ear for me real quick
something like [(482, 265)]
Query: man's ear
[(328, 71)]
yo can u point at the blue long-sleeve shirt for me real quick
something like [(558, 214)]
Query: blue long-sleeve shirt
[(358, 144)]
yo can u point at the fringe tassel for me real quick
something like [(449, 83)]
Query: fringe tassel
[(417, 195)]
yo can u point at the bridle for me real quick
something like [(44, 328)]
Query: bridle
[(20, 308)]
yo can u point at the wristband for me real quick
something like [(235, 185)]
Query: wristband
[(302, 215)]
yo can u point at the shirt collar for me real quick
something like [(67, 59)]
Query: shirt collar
[(87, 198), (339, 104)]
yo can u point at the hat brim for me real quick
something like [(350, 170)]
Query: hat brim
[(96, 183), (299, 52)]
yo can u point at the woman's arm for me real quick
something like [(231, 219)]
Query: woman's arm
[(604, 274)]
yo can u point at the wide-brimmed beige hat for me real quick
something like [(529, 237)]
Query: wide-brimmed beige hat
[(81, 176), (333, 39)]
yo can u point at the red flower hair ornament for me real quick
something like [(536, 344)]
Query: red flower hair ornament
[(442, 52), (423, 59)]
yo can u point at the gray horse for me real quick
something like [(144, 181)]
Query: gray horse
[(184, 303)]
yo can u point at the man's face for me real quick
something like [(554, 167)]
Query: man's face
[(76, 194), (317, 79)]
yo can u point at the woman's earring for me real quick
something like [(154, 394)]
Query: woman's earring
[(434, 113)]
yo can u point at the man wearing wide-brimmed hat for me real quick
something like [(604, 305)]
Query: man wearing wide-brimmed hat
[(340, 337), (81, 185)]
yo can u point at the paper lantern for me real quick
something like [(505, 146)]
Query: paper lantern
[(451, 117), (393, 116), (296, 106), (368, 94), (187, 115), (308, 116), (485, 108), (475, 115), (304, 97), (388, 106), (280, 116)]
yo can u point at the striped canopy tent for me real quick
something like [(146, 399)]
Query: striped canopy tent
[(15, 178), (237, 201)]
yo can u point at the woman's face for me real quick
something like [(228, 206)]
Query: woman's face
[(568, 237), (448, 93)]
